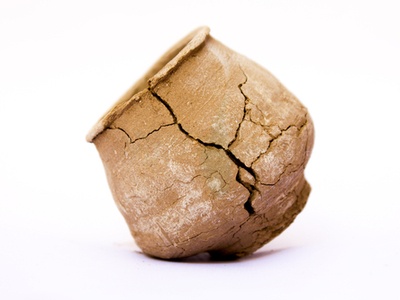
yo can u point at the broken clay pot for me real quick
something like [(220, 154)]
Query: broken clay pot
[(206, 153)]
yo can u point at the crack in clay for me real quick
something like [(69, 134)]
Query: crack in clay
[(247, 205), (238, 230), (301, 165), (278, 136), (267, 128), (281, 175), (205, 159), (250, 187), (131, 141), (181, 182), (177, 181), (275, 229), (246, 101)]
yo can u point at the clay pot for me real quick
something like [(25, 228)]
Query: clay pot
[(206, 153)]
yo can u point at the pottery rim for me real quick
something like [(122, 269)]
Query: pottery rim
[(158, 72)]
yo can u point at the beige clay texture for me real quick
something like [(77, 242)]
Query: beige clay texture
[(206, 153)]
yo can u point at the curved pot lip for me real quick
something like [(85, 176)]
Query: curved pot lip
[(165, 65)]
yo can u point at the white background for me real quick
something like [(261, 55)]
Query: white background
[(64, 63)]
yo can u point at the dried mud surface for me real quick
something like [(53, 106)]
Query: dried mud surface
[(208, 163)]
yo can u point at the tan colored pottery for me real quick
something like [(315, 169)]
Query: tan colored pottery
[(206, 153)]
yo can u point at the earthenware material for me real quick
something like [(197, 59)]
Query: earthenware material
[(206, 153)]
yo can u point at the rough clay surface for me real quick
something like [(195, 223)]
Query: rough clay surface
[(210, 156)]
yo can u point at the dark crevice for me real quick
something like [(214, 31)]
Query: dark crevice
[(246, 100), (151, 132), (282, 131), (251, 188), (286, 167), (131, 141), (248, 206), (166, 104), (239, 163), (123, 130)]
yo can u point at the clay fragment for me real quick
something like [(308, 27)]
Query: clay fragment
[(206, 153)]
